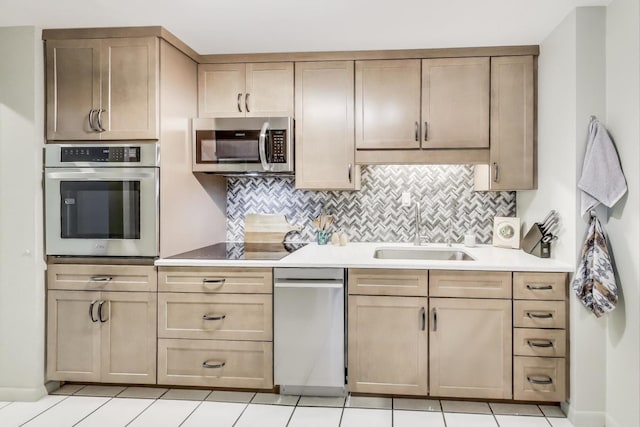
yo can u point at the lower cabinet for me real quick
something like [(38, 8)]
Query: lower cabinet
[(101, 336), (470, 348), (388, 345), (215, 327)]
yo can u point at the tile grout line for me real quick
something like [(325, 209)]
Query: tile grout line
[(242, 413), (55, 404), (194, 410), (83, 418)]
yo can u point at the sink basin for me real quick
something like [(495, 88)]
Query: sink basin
[(422, 253)]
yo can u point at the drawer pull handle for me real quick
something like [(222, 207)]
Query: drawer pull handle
[(101, 278), (545, 381), (214, 365), (213, 281), (539, 315), (423, 317), (539, 287), (213, 316), (540, 344)]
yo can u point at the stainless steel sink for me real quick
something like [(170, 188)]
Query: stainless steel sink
[(422, 253)]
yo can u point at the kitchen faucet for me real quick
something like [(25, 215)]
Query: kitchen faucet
[(417, 238)]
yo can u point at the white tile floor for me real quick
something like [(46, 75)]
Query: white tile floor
[(97, 406)]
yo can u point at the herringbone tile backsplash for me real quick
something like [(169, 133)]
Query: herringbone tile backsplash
[(375, 212)]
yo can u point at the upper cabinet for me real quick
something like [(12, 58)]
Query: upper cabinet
[(513, 161), (245, 90), (102, 89), (455, 103), (325, 149), (412, 104), (388, 104)]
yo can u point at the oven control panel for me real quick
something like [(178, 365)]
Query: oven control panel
[(102, 154)]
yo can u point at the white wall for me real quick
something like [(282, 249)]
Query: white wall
[(623, 122), (571, 81), (21, 247)]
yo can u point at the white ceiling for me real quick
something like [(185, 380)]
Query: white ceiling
[(239, 26)]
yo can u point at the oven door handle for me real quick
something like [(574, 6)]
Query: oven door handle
[(262, 145), (100, 174)]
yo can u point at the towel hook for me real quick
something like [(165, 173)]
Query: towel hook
[(592, 214), (592, 118)]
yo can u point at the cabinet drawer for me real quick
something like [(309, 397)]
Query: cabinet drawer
[(141, 278), (541, 286), (539, 314), (217, 316), (470, 284), (539, 379), (221, 280), (387, 282), (243, 364), (539, 342)]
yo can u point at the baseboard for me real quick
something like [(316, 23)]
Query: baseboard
[(611, 422), (587, 418), (9, 394)]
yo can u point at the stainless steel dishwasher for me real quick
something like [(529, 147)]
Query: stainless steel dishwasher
[(309, 343)]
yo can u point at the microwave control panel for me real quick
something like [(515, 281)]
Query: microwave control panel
[(100, 154), (278, 146)]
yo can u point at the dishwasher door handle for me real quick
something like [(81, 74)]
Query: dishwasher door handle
[(315, 284)]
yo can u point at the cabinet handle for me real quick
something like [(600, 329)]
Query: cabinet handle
[(349, 168), (91, 124), (93, 319), (539, 287), (417, 131), (206, 281), (545, 381), (539, 315), (540, 344), (426, 131), (208, 365), (99, 120), (246, 102), (239, 106), (213, 317), (434, 319), (100, 304), (423, 319), (101, 278), (495, 172)]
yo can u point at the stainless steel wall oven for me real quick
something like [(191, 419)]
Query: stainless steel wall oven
[(102, 200)]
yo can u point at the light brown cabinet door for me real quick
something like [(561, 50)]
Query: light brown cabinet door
[(455, 103), (73, 88), (470, 348), (269, 90), (325, 151), (512, 153), (73, 339), (245, 90), (130, 88), (388, 347), (221, 89), (128, 330), (388, 104)]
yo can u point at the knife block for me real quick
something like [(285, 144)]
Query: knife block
[(532, 242)]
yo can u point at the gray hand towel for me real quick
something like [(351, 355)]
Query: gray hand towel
[(602, 179)]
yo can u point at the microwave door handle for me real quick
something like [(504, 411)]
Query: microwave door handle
[(262, 141)]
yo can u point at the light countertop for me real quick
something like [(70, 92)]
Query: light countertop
[(360, 255)]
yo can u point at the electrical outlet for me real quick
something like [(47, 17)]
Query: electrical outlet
[(405, 199)]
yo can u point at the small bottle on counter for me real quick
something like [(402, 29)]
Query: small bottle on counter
[(335, 238), (344, 237)]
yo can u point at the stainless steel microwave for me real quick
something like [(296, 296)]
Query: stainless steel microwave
[(243, 145), (102, 199)]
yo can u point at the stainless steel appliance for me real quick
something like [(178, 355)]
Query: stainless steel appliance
[(243, 145), (308, 341), (102, 200)]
